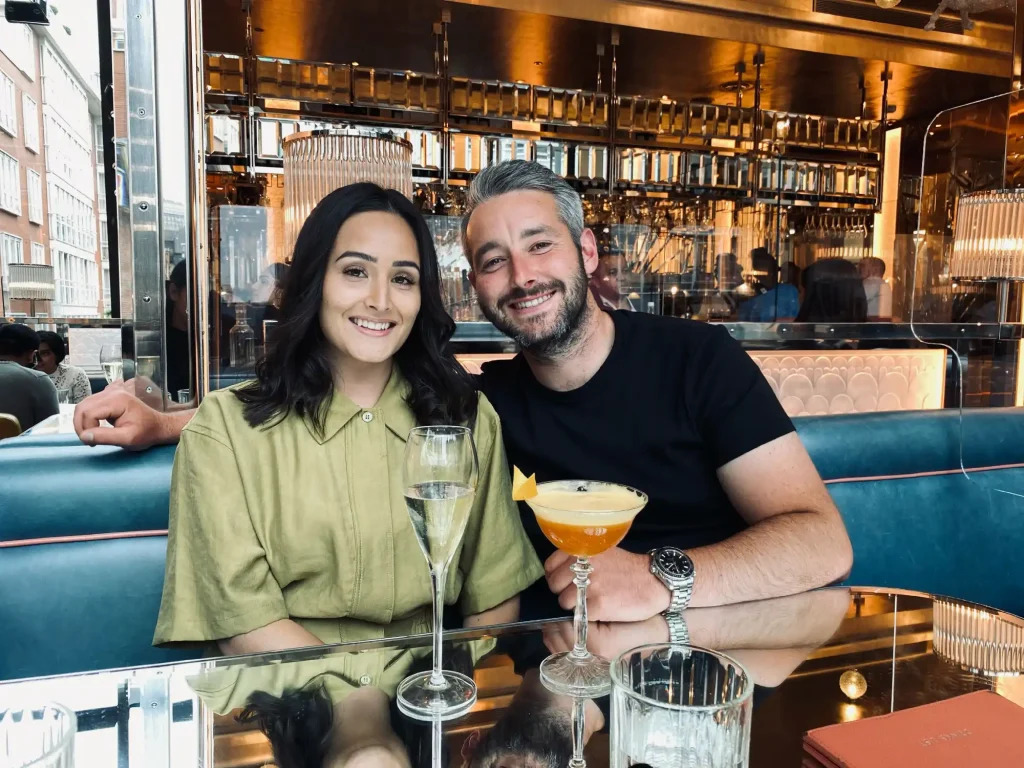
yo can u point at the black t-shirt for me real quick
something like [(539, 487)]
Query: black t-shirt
[(674, 401)]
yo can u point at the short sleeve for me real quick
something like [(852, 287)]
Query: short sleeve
[(498, 561), (217, 582), (734, 407)]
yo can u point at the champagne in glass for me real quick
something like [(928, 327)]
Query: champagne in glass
[(440, 475), (582, 518), (111, 362)]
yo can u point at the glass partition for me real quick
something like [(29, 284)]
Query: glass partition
[(966, 263)]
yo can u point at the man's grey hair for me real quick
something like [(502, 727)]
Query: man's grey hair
[(517, 175)]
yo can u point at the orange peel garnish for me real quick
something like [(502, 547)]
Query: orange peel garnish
[(523, 487)]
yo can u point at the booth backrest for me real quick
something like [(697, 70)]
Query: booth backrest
[(83, 537), (916, 518), (82, 530)]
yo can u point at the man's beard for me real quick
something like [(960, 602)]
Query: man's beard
[(564, 332)]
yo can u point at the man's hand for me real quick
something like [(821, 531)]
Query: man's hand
[(136, 426), (622, 587), (607, 640)]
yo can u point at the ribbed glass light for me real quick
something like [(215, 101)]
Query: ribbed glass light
[(988, 235), (318, 162)]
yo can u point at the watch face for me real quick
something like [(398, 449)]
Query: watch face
[(675, 564)]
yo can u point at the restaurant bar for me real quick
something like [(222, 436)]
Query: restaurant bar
[(496, 382)]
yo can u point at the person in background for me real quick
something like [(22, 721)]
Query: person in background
[(178, 356), (53, 362), (876, 290), (288, 520), (772, 301), (833, 293), (25, 393)]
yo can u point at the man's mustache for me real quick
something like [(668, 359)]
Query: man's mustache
[(521, 294)]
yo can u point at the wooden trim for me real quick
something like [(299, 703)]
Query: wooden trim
[(934, 473), (82, 537)]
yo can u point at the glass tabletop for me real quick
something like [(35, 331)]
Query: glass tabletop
[(818, 658)]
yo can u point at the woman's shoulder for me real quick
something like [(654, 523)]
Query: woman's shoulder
[(488, 424)]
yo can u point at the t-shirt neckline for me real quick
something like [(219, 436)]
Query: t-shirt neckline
[(595, 382)]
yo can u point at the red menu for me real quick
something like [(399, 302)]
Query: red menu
[(976, 730)]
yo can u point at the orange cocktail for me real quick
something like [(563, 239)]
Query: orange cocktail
[(582, 518), (585, 524)]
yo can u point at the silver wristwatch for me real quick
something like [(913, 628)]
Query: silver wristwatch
[(678, 632), (674, 569)]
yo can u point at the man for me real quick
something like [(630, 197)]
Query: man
[(737, 511), (774, 301), (877, 291), (25, 393)]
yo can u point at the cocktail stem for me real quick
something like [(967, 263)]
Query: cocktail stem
[(437, 582), (578, 726), (582, 568)]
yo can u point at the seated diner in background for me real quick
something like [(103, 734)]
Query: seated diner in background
[(26, 394), (53, 352), (288, 523), (736, 511)]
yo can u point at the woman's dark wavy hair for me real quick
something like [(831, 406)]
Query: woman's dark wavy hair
[(295, 374)]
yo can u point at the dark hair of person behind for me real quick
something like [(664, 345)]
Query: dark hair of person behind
[(17, 339), (833, 293), (297, 723), (295, 374), (55, 343)]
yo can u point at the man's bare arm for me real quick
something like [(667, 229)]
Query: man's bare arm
[(134, 424), (796, 540)]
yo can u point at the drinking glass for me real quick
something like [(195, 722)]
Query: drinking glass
[(440, 476), (582, 518), (42, 737), (63, 397), (676, 705), (111, 361)]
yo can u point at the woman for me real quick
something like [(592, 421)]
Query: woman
[(833, 293), (52, 354), (288, 523)]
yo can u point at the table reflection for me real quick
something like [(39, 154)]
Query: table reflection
[(816, 659)]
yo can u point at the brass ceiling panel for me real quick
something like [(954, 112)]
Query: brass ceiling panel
[(509, 45)]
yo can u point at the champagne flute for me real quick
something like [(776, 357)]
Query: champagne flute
[(440, 476), (111, 362)]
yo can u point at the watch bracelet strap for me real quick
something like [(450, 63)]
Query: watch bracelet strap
[(678, 632), (681, 598)]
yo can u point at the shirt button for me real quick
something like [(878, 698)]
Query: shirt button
[(365, 680), (367, 417)]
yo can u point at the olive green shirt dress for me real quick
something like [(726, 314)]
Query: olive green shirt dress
[(278, 522)]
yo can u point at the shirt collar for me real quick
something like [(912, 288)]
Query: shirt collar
[(392, 407)]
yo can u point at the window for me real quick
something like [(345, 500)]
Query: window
[(8, 105), (63, 91), (38, 253), (10, 247), (18, 43), (67, 155), (72, 219), (30, 115), (76, 281), (10, 184), (118, 37), (35, 196)]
